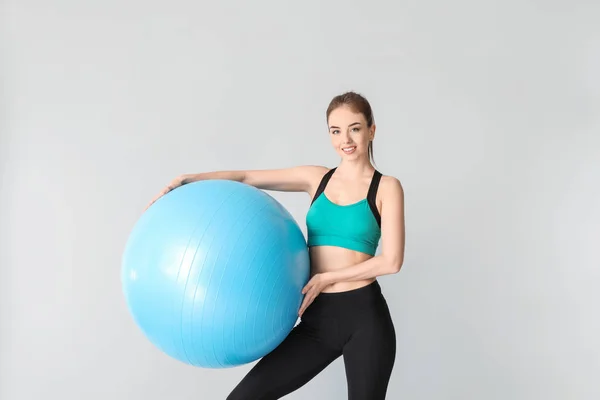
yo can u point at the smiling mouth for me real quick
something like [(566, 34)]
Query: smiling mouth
[(349, 149)]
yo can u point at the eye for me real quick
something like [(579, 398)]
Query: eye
[(335, 132), (355, 129)]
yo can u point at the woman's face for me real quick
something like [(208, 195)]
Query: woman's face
[(350, 135)]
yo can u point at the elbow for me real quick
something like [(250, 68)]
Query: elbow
[(395, 264), (396, 267)]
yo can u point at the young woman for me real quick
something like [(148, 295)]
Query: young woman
[(344, 312)]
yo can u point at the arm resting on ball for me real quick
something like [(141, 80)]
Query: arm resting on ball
[(293, 179), (392, 242), (204, 176)]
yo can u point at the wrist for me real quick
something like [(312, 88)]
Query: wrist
[(185, 179), (328, 278)]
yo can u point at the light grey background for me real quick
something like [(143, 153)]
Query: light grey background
[(487, 111)]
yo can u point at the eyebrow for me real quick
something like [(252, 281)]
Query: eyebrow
[(352, 124)]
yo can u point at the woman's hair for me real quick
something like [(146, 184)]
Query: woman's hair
[(358, 104)]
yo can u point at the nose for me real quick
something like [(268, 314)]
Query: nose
[(346, 138)]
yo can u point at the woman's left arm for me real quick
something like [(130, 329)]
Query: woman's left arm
[(392, 247)]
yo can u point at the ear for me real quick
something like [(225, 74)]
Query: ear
[(372, 132)]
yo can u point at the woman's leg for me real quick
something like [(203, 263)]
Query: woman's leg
[(298, 359), (370, 354)]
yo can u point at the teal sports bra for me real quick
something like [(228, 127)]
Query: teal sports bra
[(355, 226)]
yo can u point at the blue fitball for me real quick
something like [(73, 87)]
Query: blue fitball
[(213, 272)]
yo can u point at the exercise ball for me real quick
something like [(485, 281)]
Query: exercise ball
[(213, 272)]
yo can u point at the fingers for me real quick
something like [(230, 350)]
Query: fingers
[(309, 285), (171, 186), (304, 306), (162, 193), (308, 299)]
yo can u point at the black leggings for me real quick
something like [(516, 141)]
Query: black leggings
[(355, 324)]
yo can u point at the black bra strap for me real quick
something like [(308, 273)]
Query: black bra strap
[(323, 184), (372, 195)]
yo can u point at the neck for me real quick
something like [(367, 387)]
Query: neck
[(355, 168)]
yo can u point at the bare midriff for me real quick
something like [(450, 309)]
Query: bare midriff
[(331, 258)]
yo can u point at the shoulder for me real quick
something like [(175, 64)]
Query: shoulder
[(391, 189), (391, 184), (306, 171), (312, 175), (313, 171)]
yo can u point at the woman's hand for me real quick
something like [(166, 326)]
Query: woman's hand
[(175, 183), (312, 289)]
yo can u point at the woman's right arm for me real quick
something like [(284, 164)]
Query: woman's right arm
[(304, 178)]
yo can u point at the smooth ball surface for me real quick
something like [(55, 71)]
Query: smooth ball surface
[(213, 271)]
